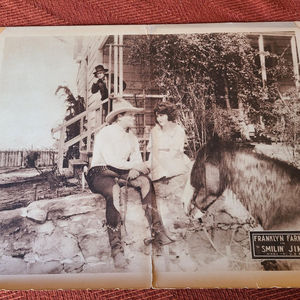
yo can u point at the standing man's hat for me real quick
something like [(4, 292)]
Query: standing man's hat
[(121, 106), (100, 68)]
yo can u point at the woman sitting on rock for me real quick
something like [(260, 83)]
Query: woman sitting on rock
[(166, 144)]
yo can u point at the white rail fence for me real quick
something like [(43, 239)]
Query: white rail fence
[(17, 158)]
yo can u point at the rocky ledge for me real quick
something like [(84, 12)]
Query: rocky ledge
[(68, 235)]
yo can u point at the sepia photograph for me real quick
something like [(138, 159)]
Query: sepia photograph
[(150, 151)]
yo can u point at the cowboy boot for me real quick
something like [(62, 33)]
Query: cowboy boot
[(117, 250), (158, 233), (113, 224)]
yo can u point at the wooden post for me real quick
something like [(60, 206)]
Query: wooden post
[(116, 50), (9, 158), (1, 158), (89, 138), (47, 158), (109, 68), (87, 78), (262, 59), (41, 158), (121, 65), (12, 158), (84, 171), (144, 129), (19, 156), (228, 106), (109, 75), (15, 158), (81, 131), (22, 158), (295, 62), (61, 148)]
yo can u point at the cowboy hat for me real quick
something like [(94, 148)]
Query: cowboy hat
[(121, 106), (100, 68)]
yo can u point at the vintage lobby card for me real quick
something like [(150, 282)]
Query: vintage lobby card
[(150, 156)]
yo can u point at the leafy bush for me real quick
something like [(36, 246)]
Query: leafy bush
[(210, 75)]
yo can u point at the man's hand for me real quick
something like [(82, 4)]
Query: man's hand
[(141, 167), (96, 80), (133, 174)]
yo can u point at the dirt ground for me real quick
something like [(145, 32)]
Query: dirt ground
[(20, 186)]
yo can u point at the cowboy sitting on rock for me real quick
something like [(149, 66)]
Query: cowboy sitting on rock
[(117, 155)]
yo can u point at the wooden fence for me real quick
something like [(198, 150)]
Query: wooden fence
[(18, 158)]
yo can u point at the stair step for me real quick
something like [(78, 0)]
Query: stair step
[(77, 162), (85, 155), (88, 153)]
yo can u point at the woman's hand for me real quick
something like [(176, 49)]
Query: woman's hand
[(133, 174), (141, 167)]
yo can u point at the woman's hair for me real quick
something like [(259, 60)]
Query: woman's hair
[(166, 108)]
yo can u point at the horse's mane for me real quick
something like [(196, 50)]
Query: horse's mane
[(214, 149), (268, 187)]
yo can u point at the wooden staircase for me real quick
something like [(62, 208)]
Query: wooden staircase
[(85, 133)]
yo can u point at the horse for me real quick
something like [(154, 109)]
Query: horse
[(267, 187)]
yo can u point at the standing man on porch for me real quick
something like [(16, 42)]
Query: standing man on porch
[(117, 157), (100, 84)]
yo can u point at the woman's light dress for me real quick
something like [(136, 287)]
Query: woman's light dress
[(166, 147)]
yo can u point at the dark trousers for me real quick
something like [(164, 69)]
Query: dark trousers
[(101, 181)]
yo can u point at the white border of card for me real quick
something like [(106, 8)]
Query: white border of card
[(207, 279)]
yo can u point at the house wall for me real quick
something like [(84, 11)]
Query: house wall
[(136, 76), (92, 51), (95, 50), (88, 56)]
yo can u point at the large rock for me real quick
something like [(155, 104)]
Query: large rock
[(169, 200), (68, 235), (11, 266), (53, 236), (220, 240)]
